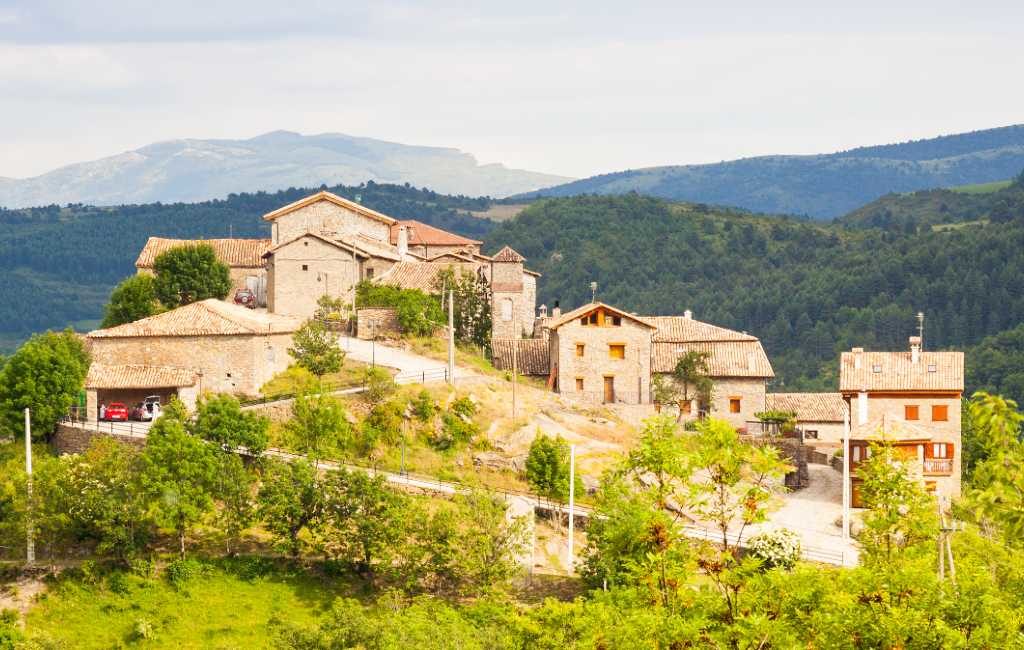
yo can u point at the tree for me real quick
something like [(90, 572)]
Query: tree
[(547, 468), (365, 519), (180, 475), (131, 300), (663, 390), (691, 373), (380, 385), (318, 424), (661, 453), (221, 420), (46, 374), (472, 305), (190, 273), (234, 490), (316, 349), (290, 501), (996, 492), (488, 545)]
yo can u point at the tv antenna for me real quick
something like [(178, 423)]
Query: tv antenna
[(593, 292)]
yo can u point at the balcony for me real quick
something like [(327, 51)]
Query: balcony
[(938, 466)]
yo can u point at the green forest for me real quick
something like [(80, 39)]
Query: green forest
[(808, 290)]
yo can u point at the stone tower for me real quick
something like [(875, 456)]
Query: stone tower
[(507, 302)]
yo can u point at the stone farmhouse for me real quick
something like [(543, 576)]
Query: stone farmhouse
[(603, 354), (911, 399)]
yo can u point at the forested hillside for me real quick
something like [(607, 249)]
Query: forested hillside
[(808, 290), (60, 263), (827, 185)]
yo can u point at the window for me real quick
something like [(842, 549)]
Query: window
[(506, 309), (686, 407), (369, 274), (734, 405), (592, 319), (855, 454), (616, 321), (305, 267), (580, 348), (940, 413), (939, 450), (811, 434), (877, 368), (932, 367), (579, 384), (910, 412), (616, 351)]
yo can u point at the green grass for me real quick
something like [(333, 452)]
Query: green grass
[(234, 604), (982, 188)]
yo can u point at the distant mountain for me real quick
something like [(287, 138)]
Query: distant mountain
[(826, 185), (198, 170)]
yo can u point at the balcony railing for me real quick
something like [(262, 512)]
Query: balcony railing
[(943, 466)]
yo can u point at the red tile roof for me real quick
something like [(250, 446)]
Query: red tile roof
[(809, 407), (532, 355), (422, 234), (896, 371), (244, 253), (138, 376), (205, 318), (506, 254)]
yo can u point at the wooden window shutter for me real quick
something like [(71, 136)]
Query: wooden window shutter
[(911, 412), (940, 413)]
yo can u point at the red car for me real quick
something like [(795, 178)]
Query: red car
[(116, 412), (245, 298)]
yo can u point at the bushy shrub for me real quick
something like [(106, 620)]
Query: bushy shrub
[(419, 314), (423, 406), (463, 407), (143, 630), (180, 572), (777, 549), (380, 385)]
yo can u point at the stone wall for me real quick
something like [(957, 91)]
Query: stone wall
[(329, 220), (630, 376), (379, 322), (306, 269), (72, 440), (750, 391)]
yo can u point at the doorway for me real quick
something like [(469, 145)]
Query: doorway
[(609, 390)]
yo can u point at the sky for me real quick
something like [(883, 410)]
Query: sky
[(573, 88)]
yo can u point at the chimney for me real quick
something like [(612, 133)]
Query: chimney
[(915, 349), (687, 314), (543, 311), (403, 242), (857, 354), (862, 407), (556, 311)]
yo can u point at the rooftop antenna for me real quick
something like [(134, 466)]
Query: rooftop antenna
[(593, 292), (920, 327)]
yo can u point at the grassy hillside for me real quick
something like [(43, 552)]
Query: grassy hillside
[(827, 185), (809, 290), (61, 262)]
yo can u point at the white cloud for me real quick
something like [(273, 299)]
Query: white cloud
[(568, 93)]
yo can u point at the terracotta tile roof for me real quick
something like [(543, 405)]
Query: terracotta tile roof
[(555, 323), (809, 407), (532, 355), (506, 254), (374, 247), (205, 318), (138, 376), (891, 428), (245, 253), (453, 257), (333, 198), (327, 240), (422, 234), (419, 275), (938, 371), (726, 358), (677, 329)]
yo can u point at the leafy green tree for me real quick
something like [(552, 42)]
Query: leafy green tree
[(663, 390), (996, 493), (190, 273), (221, 420), (691, 373), (180, 476), (419, 314), (131, 300), (316, 349), (46, 374), (290, 502), (364, 518), (472, 304), (488, 545), (236, 508), (380, 385), (661, 453), (547, 468), (318, 425)]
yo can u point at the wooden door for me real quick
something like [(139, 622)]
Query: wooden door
[(609, 390)]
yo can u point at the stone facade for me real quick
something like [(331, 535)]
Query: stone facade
[(237, 364), (750, 391), (593, 373), (376, 322), (301, 271), (511, 315), (326, 218)]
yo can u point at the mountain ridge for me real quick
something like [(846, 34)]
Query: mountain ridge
[(821, 185), (194, 169)]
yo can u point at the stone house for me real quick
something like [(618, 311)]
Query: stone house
[(302, 270), (209, 345), (243, 257), (819, 415), (911, 399)]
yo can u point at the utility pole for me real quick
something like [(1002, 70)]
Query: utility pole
[(572, 502), (846, 480), (515, 366), (30, 550), (451, 337)]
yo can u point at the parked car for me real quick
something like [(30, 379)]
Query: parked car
[(245, 298), (116, 412), (146, 410)]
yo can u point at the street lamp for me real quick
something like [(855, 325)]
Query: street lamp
[(406, 416)]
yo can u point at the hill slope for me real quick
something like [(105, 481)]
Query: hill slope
[(826, 185), (197, 170), (808, 290), (60, 263)]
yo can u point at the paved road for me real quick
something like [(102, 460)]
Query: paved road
[(407, 363)]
